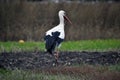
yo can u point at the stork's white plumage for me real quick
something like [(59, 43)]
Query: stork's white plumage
[(56, 35)]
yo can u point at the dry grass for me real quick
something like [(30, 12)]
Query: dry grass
[(30, 21), (83, 72), (86, 72)]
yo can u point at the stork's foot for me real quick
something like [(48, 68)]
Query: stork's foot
[(55, 63)]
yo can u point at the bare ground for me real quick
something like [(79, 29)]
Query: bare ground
[(42, 60)]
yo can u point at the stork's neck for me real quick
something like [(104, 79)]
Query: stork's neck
[(61, 18)]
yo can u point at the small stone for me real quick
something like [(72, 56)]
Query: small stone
[(69, 63), (53, 64)]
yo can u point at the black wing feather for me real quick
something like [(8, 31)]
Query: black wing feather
[(51, 41)]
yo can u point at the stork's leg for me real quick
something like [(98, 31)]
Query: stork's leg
[(56, 54)]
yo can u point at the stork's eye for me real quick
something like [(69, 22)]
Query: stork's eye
[(64, 13)]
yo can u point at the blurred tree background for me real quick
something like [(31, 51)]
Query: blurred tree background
[(30, 19)]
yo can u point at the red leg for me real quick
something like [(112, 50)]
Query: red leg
[(56, 55)]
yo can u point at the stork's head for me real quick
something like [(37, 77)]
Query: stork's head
[(62, 13)]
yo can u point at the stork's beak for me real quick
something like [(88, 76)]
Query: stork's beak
[(67, 19)]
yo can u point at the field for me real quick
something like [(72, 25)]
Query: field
[(79, 60), (91, 50)]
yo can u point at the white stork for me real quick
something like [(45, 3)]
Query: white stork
[(56, 35)]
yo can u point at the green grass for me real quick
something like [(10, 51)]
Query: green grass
[(92, 45), (82, 45), (30, 75), (16, 46), (115, 67)]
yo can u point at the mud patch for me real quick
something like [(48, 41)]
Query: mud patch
[(42, 60)]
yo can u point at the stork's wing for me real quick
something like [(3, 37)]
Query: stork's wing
[(51, 41)]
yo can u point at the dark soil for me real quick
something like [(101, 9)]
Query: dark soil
[(40, 60)]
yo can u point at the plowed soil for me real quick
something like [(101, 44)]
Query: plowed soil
[(42, 60)]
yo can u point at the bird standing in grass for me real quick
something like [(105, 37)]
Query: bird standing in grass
[(56, 35)]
